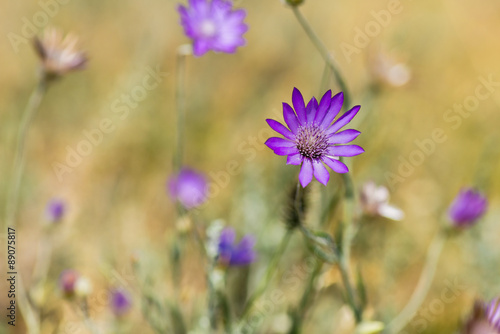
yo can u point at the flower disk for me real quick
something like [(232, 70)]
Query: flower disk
[(213, 25), (312, 137)]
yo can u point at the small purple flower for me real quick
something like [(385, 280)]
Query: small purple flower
[(467, 208), (232, 254), (55, 210), (213, 25), (493, 313), (312, 136), (189, 187), (120, 301), (68, 280)]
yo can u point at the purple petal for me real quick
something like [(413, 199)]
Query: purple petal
[(345, 150), (275, 142), (286, 151), (280, 128), (294, 159), (306, 173), (243, 252), (290, 118), (344, 137), (335, 165), (323, 107), (320, 172), (343, 120), (333, 110), (299, 106), (311, 109)]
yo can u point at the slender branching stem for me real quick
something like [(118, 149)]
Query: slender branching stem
[(30, 315), (324, 53), (423, 285), (271, 270)]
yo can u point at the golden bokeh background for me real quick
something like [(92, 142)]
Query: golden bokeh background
[(116, 196)]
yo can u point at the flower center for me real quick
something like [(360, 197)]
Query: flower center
[(311, 141), (208, 28)]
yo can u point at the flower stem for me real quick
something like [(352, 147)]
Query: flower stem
[(271, 269), (324, 53), (180, 106), (30, 316), (299, 313), (19, 159), (346, 279), (423, 285)]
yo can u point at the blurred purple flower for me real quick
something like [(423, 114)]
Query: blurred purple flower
[(189, 187), (67, 281), (493, 314), (213, 25), (120, 301), (311, 139), (375, 202), (55, 210), (485, 319), (232, 254), (467, 208)]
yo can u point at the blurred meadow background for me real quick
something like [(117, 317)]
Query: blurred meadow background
[(118, 209)]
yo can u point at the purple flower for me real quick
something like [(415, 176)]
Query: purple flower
[(55, 210), (485, 318), (213, 25), (232, 254), (120, 301), (493, 313), (189, 187), (68, 280), (467, 208), (311, 138)]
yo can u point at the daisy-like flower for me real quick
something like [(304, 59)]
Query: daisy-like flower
[(189, 187), (375, 202), (59, 54), (232, 254), (213, 25), (312, 137), (467, 208)]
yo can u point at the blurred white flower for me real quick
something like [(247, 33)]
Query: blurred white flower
[(387, 70), (59, 54), (375, 202)]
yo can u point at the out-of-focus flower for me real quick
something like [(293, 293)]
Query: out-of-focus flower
[(83, 287), (375, 202), (493, 314), (235, 254), (485, 319), (55, 210), (312, 138), (120, 301), (388, 71), (73, 284), (213, 25), (59, 54), (189, 187), (467, 208), (67, 281)]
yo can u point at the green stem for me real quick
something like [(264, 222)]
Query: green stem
[(271, 269), (19, 159), (30, 315), (299, 314), (423, 285), (324, 53), (346, 279), (180, 107)]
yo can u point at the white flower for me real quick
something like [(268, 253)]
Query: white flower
[(375, 202)]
